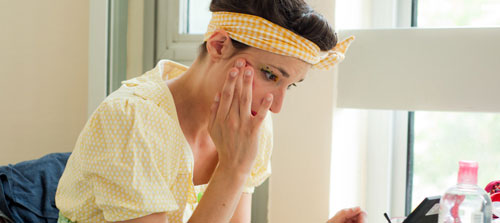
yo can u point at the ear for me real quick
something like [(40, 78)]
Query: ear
[(219, 45)]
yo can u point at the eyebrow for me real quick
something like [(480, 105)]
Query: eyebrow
[(285, 74)]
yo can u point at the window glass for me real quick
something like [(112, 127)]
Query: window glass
[(351, 14), (197, 17), (444, 138), (453, 13)]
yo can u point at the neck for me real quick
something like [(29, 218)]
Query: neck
[(193, 94)]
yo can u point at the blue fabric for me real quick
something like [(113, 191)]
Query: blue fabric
[(28, 189)]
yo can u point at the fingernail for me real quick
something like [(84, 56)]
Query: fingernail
[(269, 98), (239, 63), (217, 98), (248, 72), (233, 73)]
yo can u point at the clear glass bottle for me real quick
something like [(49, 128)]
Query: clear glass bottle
[(465, 202)]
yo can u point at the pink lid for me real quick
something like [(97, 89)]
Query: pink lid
[(467, 173), (495, 197)]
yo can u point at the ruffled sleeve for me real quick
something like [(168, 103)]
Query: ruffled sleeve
[(261, 170), (129, 160)]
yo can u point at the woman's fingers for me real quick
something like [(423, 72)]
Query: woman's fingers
[(246, 93), (362, 217), (234, 112), (227, 94), (349, 215), (353, 214)]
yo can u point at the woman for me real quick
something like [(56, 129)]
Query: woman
[(185, 144)]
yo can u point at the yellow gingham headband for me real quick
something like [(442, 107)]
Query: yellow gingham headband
[(265, 35)]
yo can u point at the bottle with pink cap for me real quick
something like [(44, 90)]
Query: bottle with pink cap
[(465, 202)]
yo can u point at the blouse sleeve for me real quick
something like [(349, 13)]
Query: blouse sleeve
[(261, 169), (129, 160)]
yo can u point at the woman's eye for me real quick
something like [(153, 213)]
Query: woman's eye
[(269, 75), (291, 85)]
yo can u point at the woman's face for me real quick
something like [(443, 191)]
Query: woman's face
[(273, 74)]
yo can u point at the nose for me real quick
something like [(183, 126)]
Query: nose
[(278, 98)]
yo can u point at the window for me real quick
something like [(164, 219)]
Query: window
[(441, 139), (178, 29), (461, 13), (195, 16), (391, 69), (444, 138)]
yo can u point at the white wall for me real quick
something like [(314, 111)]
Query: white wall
[(43, 72)]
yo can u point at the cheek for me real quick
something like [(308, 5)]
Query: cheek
[(258, 92), (255, 104)]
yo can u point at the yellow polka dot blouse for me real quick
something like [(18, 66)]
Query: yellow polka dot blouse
[(132, 159)]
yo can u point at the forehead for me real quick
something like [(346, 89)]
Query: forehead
[(296, 68)]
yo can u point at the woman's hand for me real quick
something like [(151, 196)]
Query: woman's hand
[(349, 215), (232, 127)]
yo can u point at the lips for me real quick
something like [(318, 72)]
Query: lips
[(254, 113)]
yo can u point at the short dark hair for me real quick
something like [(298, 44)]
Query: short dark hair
[(294, 15)]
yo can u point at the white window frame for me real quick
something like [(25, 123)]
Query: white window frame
[(381, 148), (171, 44)]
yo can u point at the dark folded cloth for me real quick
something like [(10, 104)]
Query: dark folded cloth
[(27, 189), (4, 218)]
